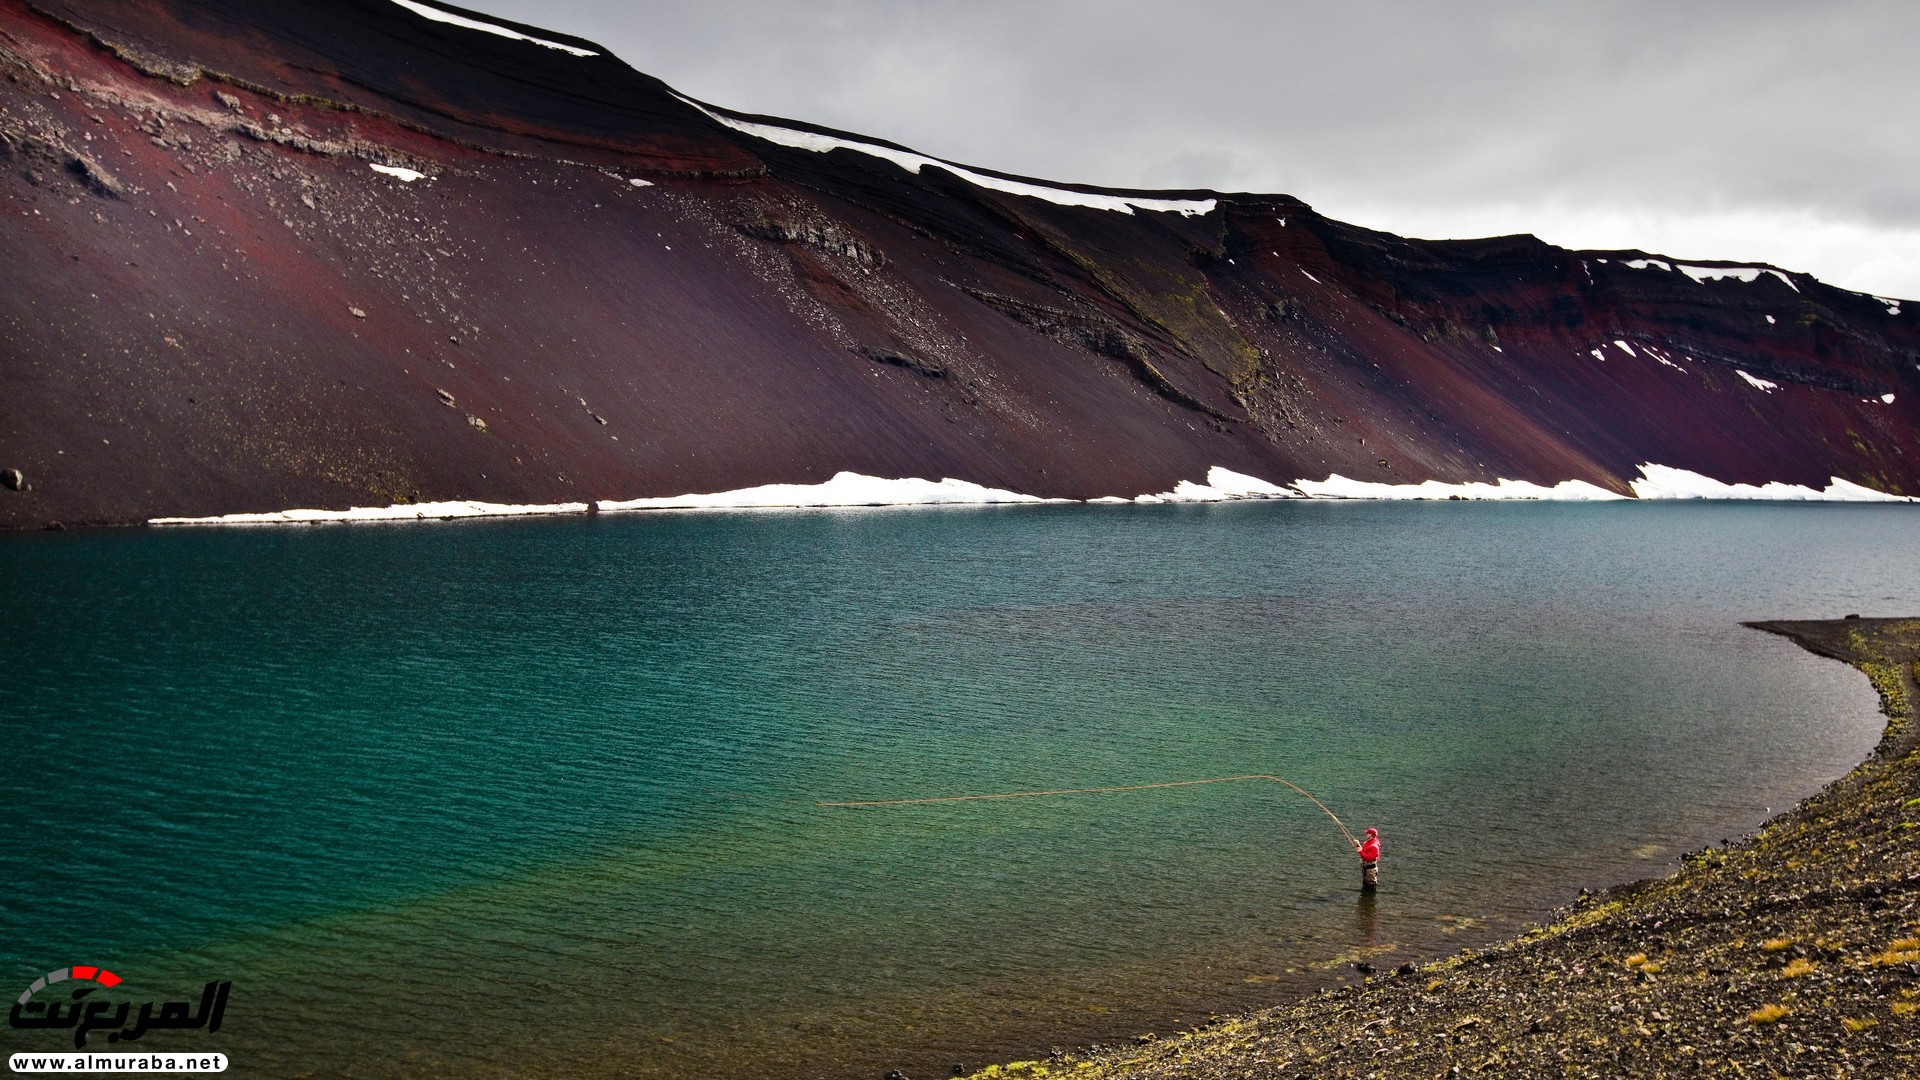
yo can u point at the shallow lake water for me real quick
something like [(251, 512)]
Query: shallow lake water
[(502, 798)]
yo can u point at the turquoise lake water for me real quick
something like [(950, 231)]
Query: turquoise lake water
[(503, 798)]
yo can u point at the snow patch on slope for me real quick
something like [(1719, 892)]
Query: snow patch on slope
[(449, 17), (1662, 357), (913, 163), (1749, 274), (1757, 384), (1704, 274), (404, 175)]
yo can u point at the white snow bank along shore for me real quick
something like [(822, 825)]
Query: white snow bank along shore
[(913, 163), (845, 489), (1657, 482), (850, 489), (1222, 485), (433, 511), (449, 17), (1661, 482), (1339, 487)]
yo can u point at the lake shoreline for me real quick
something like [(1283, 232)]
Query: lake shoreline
[(1796, 948)]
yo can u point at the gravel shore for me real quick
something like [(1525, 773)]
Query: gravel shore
[(1794, 952)]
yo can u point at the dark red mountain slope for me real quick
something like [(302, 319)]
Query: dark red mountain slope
[(210, 302)]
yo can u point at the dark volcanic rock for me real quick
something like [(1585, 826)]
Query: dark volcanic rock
[(195, 232), (35, 149), (815, 230), (931, 369)]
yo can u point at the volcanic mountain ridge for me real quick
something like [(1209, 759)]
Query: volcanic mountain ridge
[(264, 254)]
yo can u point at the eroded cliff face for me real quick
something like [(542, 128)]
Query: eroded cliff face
[(284, 253)]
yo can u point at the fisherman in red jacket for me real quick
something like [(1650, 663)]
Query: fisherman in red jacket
[(1369, 860)]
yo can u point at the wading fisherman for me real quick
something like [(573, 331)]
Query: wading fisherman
[(1369, 850)]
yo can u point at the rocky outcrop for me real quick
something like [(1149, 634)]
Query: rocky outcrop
[(814, 230)]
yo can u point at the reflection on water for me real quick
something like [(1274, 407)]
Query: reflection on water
[(443, 798), (1366, 920)]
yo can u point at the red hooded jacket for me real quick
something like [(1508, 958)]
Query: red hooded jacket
[(1370, 848)]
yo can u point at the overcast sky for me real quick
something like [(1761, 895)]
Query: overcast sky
[(1783, 132)]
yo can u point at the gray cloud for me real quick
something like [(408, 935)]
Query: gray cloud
[(1456, 118)]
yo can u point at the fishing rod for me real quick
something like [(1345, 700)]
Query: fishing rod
[(1104, 790)]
